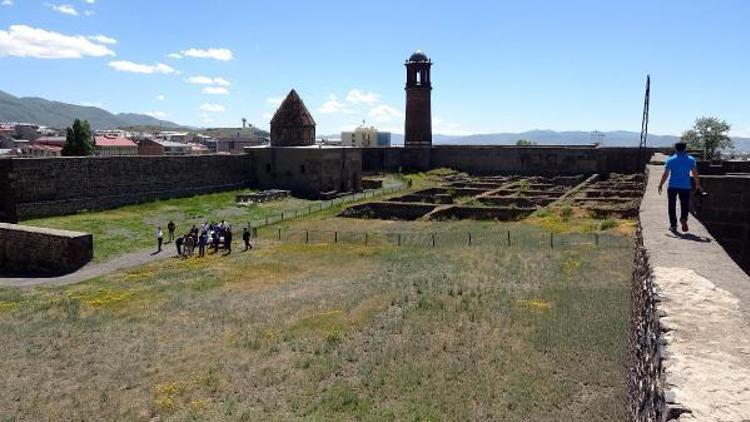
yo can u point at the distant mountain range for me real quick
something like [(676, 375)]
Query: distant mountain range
[(59, 115), (551, 137)]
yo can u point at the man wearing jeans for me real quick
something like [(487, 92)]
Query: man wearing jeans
[(678, 169)]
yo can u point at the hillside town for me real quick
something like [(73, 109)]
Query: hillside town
[(29, 140)]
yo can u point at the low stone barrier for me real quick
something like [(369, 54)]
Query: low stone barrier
[(645, 382), (29, 250)]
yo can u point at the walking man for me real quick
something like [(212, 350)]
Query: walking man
[(228, 240), (678, 170), (171, 228), (246, 238), (159, 238)]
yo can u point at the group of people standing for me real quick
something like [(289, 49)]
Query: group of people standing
[(212, 235)]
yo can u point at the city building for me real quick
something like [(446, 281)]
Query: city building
[(114, 145), (366, 137), (162, 147), (418, 125), (27, 131), (41, 150)]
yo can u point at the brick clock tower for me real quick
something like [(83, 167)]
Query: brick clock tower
[(418, 128)]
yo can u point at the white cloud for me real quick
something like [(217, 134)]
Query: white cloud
[(25, 41), (65, 9), (333, 106), (126, 66), (161, 97), (156, 114), (275, 101), (7, 3), (88, 104), (89, 1), (89, 13), (356, 96), (215, 90), (384, 113), (102, 39), (174, 55), (267, 116), (213, 108), (222, 54), (205, 80)]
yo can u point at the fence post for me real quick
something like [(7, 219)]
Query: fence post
[(279, 233), (366, 239), (255, 232), (508, 237), (399, 239), (469, 238), (282, 215), (309, 209), (266, 220), (551, 240), (596, 239), (335, 237), (307, 236), (321, 206), (433, 240), (295, 213)]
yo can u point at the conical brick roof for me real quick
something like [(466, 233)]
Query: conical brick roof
[(292, 113)]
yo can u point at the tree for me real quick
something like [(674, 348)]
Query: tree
[(78, 140), (524, 142), (710, 135)]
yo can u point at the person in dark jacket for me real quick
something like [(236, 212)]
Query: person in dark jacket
[(171, 228), (179, 243), (246, 238), (228, 239)]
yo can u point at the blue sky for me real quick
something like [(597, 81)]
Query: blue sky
[(500, 66)]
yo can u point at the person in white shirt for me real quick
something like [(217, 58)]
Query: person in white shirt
[(159, 238)]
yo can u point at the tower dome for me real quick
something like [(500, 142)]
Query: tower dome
[(418, 57)]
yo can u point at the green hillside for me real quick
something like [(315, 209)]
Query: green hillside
[(55, 114)]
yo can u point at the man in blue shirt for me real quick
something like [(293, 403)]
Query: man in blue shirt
[(678, 169)]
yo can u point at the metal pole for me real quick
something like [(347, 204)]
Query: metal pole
[(366, 239), (307, 236), (551, 240), (508, 237), (335, 237), (279, 233), (469, 238), (399, 239), (433, 240)]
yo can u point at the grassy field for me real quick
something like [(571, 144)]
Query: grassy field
[(132, 228), (321, 332)]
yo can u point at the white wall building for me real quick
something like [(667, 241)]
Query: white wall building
[(366, 137)]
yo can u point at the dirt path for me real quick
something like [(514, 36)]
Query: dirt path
[(706, 302), (91, 270)]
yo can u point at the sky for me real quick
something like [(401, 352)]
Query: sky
[(499, 66)]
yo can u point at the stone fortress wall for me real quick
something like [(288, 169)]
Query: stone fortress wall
[(41, 187), (500, 159), (32, 188), (725, 210), (36, 250)]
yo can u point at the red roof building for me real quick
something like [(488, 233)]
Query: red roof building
[(113, 145)]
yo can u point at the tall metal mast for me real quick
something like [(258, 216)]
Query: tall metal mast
[(644, 125)]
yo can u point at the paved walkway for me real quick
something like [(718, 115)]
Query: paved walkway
[(91, 270), (706, 299)]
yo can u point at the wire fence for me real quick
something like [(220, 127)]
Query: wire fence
[(507, 238), (292, 213)]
